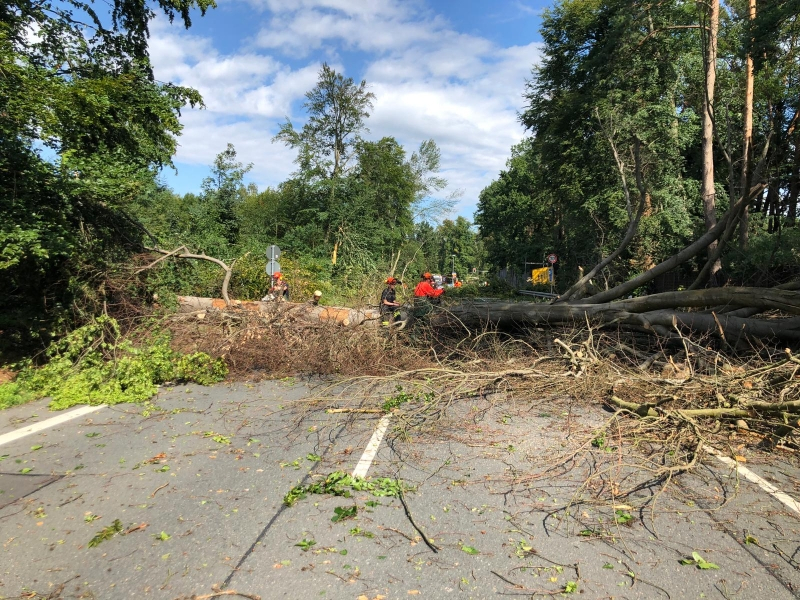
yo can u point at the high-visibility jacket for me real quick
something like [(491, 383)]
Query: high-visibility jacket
[(424, 289)]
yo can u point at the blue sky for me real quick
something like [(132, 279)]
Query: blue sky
[(449, 70)]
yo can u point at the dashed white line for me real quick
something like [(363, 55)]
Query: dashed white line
[(47, 423), (372, 448), (759, 481)]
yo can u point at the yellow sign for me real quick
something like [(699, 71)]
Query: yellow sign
[(541, 276)]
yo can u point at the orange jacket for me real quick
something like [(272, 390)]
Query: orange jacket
[(425, 290)]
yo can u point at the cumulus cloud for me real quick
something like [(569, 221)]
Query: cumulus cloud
[(430, 81)]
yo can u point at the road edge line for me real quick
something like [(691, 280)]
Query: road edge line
[(22, 432)]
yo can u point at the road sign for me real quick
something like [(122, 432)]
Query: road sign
[(552, 259), (273, 253), (273, 267)]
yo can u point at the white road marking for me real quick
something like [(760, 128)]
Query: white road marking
[(372, 448), (73, 414), (759, 481)]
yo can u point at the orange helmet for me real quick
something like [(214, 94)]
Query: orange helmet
[(276, 275), (427, 275)]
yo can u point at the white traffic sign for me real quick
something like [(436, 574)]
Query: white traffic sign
[(273, 252), (273, 267), (552, 259)]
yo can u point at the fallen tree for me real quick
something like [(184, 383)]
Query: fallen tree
[(656, 314)]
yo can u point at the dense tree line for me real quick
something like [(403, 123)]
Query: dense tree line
[(85, 129), (617, 155)]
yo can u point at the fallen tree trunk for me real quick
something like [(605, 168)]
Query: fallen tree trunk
[(649, 313), (289, 310)]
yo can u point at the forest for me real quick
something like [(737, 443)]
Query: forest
[(660, 163)]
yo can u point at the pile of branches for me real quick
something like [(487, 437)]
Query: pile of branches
[(276, 343)]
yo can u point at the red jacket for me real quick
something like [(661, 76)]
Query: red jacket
[(425, 290)]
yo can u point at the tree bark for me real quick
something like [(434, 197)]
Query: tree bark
[(707, 189), (645, 314), (290, 310), (748, 135)]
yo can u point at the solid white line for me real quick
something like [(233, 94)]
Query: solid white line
[(73, 414), (759, 481), (372, 448)]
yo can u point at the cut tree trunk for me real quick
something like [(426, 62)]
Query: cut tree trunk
[(289, 310)]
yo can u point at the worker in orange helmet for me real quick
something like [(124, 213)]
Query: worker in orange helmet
[(389, 303), (279, 290), (425, 288)]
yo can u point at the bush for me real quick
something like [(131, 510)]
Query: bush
[(95, 365)]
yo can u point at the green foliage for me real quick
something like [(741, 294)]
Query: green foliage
[(94, 364), (699, 562), (200, 368), (306, 545), (401, 397), (342, 484), (614, 110), (13, 393), (81, 87), (622, 517), (106, 533), (342, 513)]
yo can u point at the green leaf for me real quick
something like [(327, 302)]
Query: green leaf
[(37, 447), (342, 513), (469, 550), (305, 545), (93, 434), (570, 587), (163, 536), (26, 470)]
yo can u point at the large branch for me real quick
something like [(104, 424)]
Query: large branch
[(633, 224), (184, 253), (675, 260)]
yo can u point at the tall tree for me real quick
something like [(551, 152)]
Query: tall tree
[(76, 79), (337, 109)]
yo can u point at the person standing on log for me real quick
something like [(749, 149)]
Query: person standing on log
[(389, 304)]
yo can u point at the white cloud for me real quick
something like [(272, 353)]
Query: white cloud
[(430, 81)]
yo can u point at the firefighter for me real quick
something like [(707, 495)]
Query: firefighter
[(389, 303)]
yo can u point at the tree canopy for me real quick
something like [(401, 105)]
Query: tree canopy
[(614, 112)]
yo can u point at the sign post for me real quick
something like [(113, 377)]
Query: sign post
[(273, 266)]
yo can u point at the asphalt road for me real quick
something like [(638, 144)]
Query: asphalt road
[(196, 482)]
